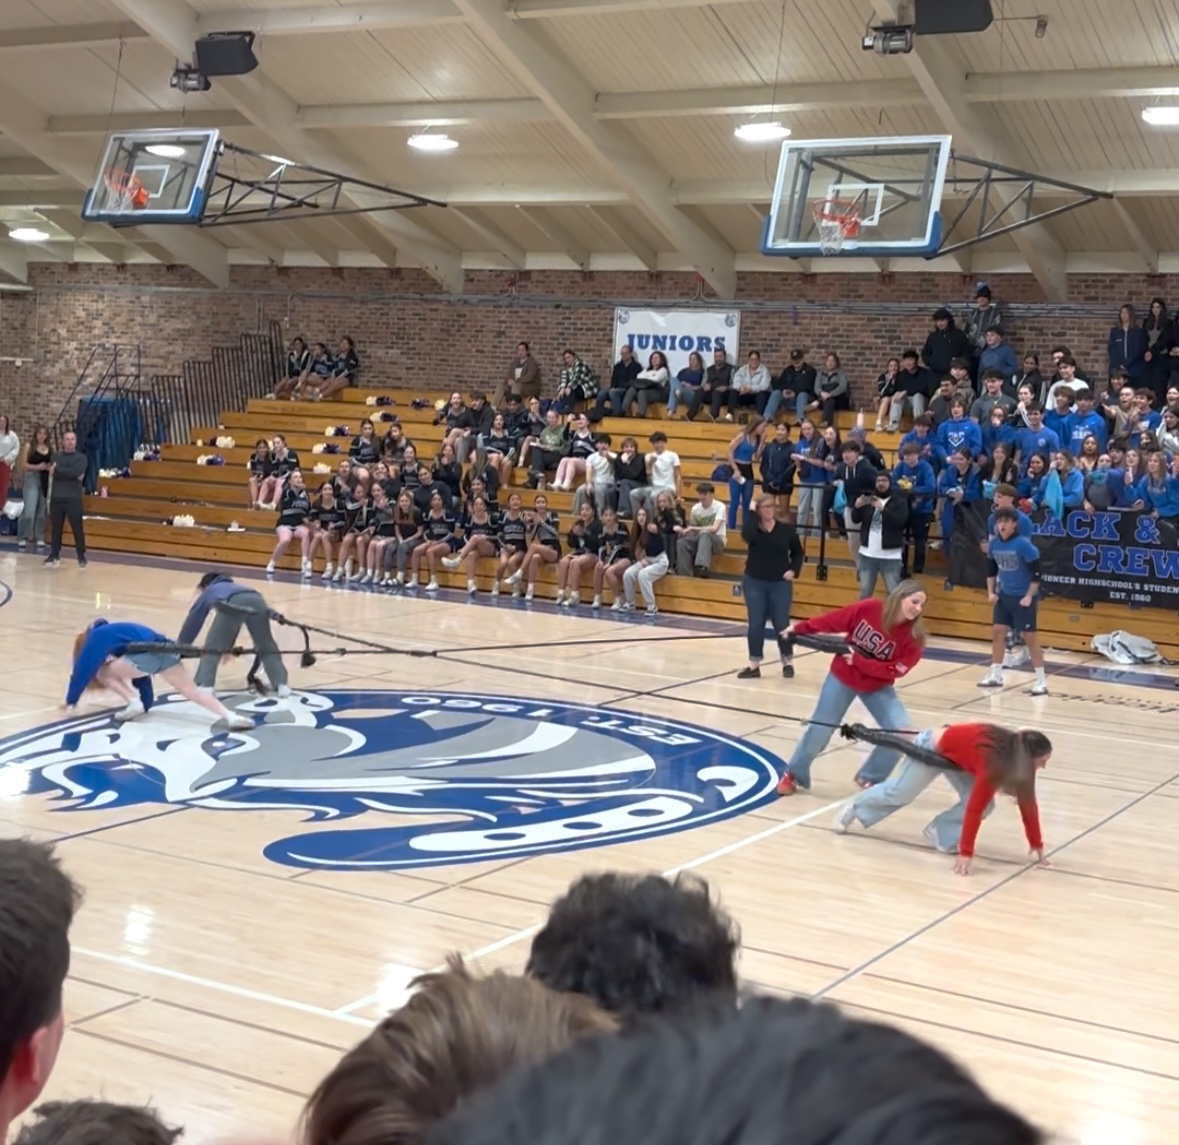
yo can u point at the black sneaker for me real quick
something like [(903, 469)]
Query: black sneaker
[(788, 671), (51, 562), (82, 562), (749, 674)]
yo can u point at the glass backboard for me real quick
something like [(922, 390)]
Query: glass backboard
[(153, 177), (880, 198)]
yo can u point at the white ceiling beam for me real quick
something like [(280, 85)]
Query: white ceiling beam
[(371, 237), (485, 228), (113, 252), (974, 132), (1142, 244), (14, 261), (331, 18), (567, 95), (613, 220), (441, 113), (173, 24), (37, 197), (70, 35), (550, 9), (304, 237), (24, 167), (1084, 83), (542, 219), (24, 124), (144, 121)]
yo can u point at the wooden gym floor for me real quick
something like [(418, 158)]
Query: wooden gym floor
[(220, 982)]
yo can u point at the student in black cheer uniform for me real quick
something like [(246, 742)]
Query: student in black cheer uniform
[(479, 540), (544, 546), (613, 556), (439, 541), (512, 535), (584, 538), (293, 513)]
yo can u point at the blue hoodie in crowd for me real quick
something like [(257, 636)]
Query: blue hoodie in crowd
[(105, 640), (1029, 442), (1079, 426), (922, 488), (993, 435), (1072, 487), (958, 433), (1162, 499)]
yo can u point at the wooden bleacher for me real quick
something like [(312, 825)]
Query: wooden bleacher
[(134, 516)]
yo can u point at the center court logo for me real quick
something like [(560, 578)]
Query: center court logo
[(429, 778)]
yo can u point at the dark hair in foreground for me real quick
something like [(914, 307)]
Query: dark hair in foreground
[(1011, 756), (771, 1072), (458, 1034), (95, 1123), (37, 904), (637, 943)]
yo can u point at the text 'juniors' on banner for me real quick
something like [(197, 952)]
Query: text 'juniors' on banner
[(677, 333)]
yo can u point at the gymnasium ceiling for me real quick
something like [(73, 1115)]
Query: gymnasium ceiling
[(594, 134)]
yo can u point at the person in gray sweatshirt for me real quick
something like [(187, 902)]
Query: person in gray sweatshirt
[(67, 478)]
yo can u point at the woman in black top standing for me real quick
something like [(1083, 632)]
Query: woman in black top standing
[(773, 564)]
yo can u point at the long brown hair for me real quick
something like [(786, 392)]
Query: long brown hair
[(457, 1035), (894, 618), (1011, 758)]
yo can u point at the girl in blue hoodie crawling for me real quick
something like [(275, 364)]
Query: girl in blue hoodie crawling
[(101, 659)]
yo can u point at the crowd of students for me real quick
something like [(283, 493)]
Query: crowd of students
[(627, 1026)]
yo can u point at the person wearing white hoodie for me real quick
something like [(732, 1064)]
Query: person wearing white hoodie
[(750, 386), (9, 455)]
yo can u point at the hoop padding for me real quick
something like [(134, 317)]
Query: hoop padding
[(838, 220), (127, 191)]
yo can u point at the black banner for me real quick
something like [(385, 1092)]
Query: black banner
[(1119, 558)]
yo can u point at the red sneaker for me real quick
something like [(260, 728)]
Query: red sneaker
[(787, 785)]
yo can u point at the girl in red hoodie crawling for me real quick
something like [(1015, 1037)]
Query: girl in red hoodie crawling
[(978, 760), (886, 639)]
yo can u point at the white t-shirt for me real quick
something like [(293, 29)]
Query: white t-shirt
[(662, 467), (703, 518), (875, 547), (600, 468)]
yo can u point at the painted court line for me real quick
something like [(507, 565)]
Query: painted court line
[(690, 865)]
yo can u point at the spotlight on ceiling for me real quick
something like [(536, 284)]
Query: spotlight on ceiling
[(424, 141), (1161, 116), (165, 150), (28, 235), (759, 132)]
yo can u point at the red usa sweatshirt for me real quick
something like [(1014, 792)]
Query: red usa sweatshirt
[(878, 658)]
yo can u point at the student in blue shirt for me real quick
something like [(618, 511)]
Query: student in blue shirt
[(1059, 417), (998, 355), (1158, 491), (997, 431), (1035, 439), (1085, 422), (1030, 481), (923, 436), (916, 478), (959, 483), (959, 432), (101, 659), (1147, 419), (1013, 585), (1005, 498)]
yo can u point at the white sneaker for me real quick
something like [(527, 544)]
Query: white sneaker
[(1039, 688), (931, 838), (495, 588), (573, 600), (529, 593), (399, 580), (845, 817), (992, 679), (616, 606), (515, 591), (432, 586), (652, 610), (366, 579), (472, 588), (132, 711), (270, 569), (1016, 657), (450, 563), (283, 691), (597, 602), (338, 577), (411, 585), (627, 606), (559, 599), (22, 545), (307, 572), (514, 579), (238, 723), (327, 571)]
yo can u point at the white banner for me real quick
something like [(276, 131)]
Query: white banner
[(677, 333)]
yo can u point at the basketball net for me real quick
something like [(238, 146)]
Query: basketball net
[(126, 192), (838, 220)]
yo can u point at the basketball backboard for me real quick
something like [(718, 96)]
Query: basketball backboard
[(870, 198), (153, 177)]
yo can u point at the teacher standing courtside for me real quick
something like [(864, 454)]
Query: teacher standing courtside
[(67, 475), (774, 562)]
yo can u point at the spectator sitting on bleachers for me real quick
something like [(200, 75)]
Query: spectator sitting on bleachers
[(939, 404), (1085, 422), (959, 432), (1035, 439), (1168, 432), (886, 388), (584, 539), (478, 540), (613, 556), (293, 514), (832, 389), (1158, 491), (1069, 377), (718, 380), (686, 388), (996, 430), (499, 449), (1090, 455), (1072, 482), (750, 388), (579, 445), (914, 477), (778, 469), (548, 450), (1032, 474), (427, 486), (358, 524), (649, 385), (599, 487), (407, 535), (476, 425), (453, 418), (1057, 419), (1029, 376), (327, 521), (364, 452), (575, 384), (543, 541), (999, 465), (622, 378), (383, 476), (474, 489), (394, 442), (439, 540), (263, 485), (630, 474), (284, 462), (297, 368), (663, 471), (483, 471), (998, 355), (447, 471), (913, 388), (669, 515), (512, 536), (648, 565), (322, 367), (345, 367), (958, 484), (702, 539), (923, 436), (532, 424), (638, 944), (1148, 419), (992, 396), (381, 537), (343, 480), (795, 384)]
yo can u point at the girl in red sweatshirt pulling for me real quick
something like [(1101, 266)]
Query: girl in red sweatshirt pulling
[(886, 639), (978, 760)]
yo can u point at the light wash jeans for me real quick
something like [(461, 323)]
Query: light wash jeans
[(834, 700), (644, 574), (870, 567), (809, 515), (902, 788), (776, 399), (32, 518)]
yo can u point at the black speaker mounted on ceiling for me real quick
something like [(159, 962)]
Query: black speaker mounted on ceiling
[(952, 17), (225, 54)]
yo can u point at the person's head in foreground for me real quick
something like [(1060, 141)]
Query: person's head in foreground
[(769, 1072), (637, 944), (456, 1035), (95, 1123), (37, 904)]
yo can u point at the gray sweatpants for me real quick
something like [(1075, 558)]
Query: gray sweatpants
[(248, 608)]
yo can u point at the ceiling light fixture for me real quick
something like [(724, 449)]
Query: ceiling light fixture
[(165, 150), (758, 132), (28, 235), (1161, 116), (424, 141)]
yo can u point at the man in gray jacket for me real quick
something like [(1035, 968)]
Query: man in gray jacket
[(65, 499)]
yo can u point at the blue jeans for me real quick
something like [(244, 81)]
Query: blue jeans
[(740, 494), (902, 788), (32, 518), (682, 392), (766, 598), (776, 399), (834, 700)]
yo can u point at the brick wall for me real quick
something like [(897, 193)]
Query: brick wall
[(408, 334)]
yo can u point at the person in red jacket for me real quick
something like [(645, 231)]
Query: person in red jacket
[(978, 761), (886, 639)]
